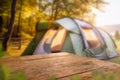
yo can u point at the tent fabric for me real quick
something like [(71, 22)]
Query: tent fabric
[(67, 45), (34, 42), (97, 52), (82, 23), (42, 26), (68, 24), (70, 37), (44, 45), (77, 43), (111, 49)]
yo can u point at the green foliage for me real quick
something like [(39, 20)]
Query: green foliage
[(115, 60), (52, 78), (27, 12), (74, 8), (1, 52), (4, 72), (99, 75), (96, 75), (76, 77), (4, 6), (18, 76)]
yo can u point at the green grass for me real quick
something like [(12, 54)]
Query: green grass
[(115, 60), (5, 74), (2, 53), (99, 75), (96, 75)]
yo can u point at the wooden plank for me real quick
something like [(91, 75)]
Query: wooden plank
[(61, 65), (35, 57)]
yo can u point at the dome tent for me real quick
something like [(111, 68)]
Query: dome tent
[(74, 36), (107, 49)]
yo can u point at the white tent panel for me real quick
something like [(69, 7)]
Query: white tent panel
[(82, 23), (68, 24)]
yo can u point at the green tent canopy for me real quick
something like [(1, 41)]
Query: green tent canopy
[(74, 36)]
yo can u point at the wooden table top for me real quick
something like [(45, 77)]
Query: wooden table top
[(62, 65)]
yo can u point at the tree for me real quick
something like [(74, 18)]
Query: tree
[(73, 8), (19, 23), (4, 6), (1, 22), (4, 11), (10, 26)]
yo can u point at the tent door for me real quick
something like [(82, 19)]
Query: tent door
[(95, 46)]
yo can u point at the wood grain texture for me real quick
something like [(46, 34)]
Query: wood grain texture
[(62, 65)]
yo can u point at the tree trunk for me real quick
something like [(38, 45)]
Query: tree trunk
[(56, 13), (10, 26), (53, 4), (55, 7), (19, 25), (1, 23)]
